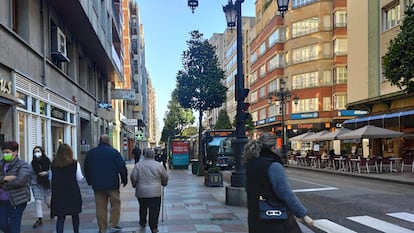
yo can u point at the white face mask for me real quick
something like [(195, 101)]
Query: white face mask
[(38, 154)]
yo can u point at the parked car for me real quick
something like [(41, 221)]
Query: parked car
[(225, 162)]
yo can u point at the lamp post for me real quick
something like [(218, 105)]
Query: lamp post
[(233, 12), (283, 95)]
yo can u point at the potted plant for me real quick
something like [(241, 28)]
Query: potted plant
[(213, 177)]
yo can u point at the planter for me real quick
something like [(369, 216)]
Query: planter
[(213, 179)]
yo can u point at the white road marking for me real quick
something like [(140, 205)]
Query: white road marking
[(331, 227), (379, 225), (403, 215), (324, 187)]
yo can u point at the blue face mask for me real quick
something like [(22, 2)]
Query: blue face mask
[(7, 157)]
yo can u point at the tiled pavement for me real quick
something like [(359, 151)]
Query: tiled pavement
[(189, 207)]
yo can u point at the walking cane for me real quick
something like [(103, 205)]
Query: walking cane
[(162, 205)]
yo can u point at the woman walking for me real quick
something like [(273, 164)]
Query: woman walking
[(40, 182), (266, 178), (66, 196)]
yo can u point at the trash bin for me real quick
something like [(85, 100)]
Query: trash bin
[(194, 166)]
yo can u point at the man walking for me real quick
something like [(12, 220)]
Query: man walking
[(136, 152), (103, 167)]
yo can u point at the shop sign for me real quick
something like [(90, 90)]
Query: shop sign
[(132, 121), (105, 105), (5, 86), (58, 113), (270, 119), (123, 94), (352, 112), (304, 115)]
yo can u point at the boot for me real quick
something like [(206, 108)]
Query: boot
[(38, 223)]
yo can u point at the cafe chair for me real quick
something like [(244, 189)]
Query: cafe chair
[(407, 161)]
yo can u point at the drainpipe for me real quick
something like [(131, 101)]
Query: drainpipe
[(43, 43)]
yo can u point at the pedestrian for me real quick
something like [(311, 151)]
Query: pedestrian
[(148, 177), (103, 167), (40, 184), (161, 156), (136, 152), (14, 188), (66, 196), (266, 177)]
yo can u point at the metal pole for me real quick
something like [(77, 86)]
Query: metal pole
[(284, 149), (238, 177)]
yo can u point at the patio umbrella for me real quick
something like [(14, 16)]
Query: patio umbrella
[(315, 137), (300, 136), (370, 131), (333, 135)]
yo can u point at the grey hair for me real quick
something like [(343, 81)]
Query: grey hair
[(105, 139), (252, 150), (149, 153)]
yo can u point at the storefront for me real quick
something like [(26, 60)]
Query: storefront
[(46, 119)]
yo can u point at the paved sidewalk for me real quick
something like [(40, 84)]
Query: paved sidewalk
[(190, 207)]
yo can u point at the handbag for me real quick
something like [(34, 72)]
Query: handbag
[(272, 210)]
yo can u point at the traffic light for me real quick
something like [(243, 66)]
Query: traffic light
[(139, 135), (243, 114), (241, 94)]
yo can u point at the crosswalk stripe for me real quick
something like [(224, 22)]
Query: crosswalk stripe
[(331, 227), (379, 225), (402, 215)]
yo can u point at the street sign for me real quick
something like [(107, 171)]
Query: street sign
[(123, 94)]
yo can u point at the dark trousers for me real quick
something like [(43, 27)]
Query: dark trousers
[(11, 217), (61, 223), (152, 204)]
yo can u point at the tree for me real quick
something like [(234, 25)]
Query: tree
[(398, 62), (200, 82), (223, 120), (176, 120), (190, 131)]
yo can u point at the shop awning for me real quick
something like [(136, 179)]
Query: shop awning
[(379, 117)]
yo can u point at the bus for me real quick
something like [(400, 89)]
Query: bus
[(218, 148)]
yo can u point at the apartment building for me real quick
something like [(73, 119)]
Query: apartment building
[(305, 51), (371, 26), (62, 74)]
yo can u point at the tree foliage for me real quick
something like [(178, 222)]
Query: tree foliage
[(398, 62), (200, 82), (177, 119), (223, 120), (190, 131)]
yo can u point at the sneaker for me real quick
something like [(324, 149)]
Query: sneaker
[(115, 229), (37, 224)]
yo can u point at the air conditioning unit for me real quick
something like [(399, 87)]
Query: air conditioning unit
[(59, 52)]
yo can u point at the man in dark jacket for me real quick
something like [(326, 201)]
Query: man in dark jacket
[(136, 152), (103, 167)]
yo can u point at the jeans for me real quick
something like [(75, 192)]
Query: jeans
[(153, 204), (101, 202), (11, 217), (61, 223)]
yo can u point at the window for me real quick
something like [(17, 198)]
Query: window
[(275, 109), (19, 18), (392, 17), (301, 3), (340, 101), (305, 80), (253, 57), (275, 37), (306, 105), (262, 114), (326, 79), (253, 77), (262, 92), (341, 75), (305, 27), (326, 103), (340, 19), (262, 49), (341, 46), (275, 62), (254, 116), (253, 97), (262, 71), (272, 86), (305, 54)]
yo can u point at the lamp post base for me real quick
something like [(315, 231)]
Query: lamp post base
[(236, 196)]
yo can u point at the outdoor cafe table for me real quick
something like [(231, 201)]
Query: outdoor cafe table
[(301, 160), (341, 163), (354, 166), (394, 162)]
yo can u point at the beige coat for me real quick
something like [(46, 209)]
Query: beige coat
[(147, 177)]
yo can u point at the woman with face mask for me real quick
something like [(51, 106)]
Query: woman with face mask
[(14, 188), (40, 182)]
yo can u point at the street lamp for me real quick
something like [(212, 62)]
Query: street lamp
[(193, 4), (283, 95), (282, 6)]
